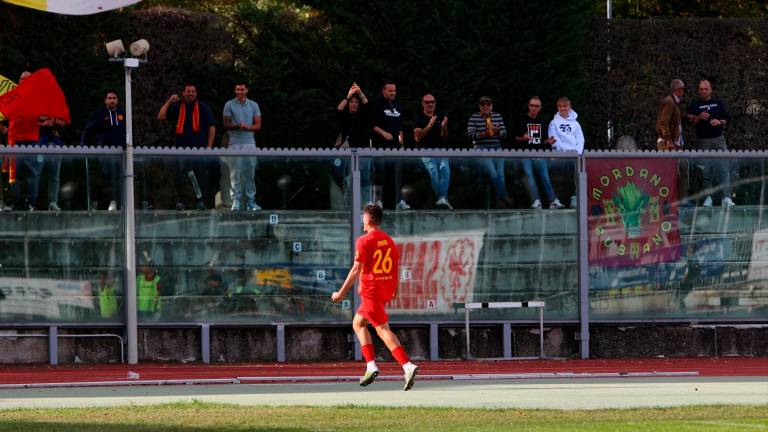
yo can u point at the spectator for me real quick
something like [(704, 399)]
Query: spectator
[(669, 122), (354, 131), (529, 135), (709, 117), (213, 285), (25, 131), (3, 168), (352, 114), (108, 125), (107, 290), (669, 129), (50, 136), (388, 133), (194, 129), (566, 136), (387, 118), (486, 130), (429, 129), (148, 291), (242, 118)]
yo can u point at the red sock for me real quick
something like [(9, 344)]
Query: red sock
[(400, 355), (368, 353)]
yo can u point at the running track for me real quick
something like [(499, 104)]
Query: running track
[(704, 367)]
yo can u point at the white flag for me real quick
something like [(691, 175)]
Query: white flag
[(73, 7)]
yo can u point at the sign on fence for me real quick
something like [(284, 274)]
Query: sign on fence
[(442, 268), (633, 211)]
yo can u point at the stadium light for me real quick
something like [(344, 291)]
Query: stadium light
[(139, 48), (116, 49)]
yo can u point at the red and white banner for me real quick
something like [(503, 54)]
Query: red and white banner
[(436, 271), (633, 211)]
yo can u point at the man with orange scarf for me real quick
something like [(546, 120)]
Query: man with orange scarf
[(195, 128)]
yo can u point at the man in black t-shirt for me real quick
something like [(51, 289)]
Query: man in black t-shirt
[(709, 117), (530, 133), (429, 129), (387, 132), (387, 118)]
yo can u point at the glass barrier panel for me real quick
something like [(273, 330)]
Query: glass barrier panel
[(274, 251), (677, 238), (61, 258), (470, 230)]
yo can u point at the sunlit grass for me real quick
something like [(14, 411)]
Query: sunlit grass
[(194, 416)]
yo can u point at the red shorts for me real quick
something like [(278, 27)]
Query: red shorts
[(373, 311)]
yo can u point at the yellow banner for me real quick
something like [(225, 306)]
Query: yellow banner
[(73, 7), (6, 85)]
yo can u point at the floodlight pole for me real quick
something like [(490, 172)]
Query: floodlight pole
[(129, 297)]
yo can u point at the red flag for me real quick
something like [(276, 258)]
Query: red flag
[(39, 95)]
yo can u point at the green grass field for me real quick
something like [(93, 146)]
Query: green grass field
[(199, 417)]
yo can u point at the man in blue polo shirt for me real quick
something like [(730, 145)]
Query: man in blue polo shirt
[(709, 118), (242, 118), (194, 128)]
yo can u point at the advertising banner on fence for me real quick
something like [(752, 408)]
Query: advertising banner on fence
[(436, 271), (758, 263), (44, 298), (633, 215)]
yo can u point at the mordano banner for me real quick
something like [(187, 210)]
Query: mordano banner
[(633, 212)]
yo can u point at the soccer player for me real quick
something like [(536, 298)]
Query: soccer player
[(376, 263)]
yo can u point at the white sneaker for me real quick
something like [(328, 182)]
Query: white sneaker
[(370, 375), (402, 205), (235, 205), (253, 207), (536, 205), (55, 207), (444, 202), (556, 204), (707, 202), (410, 375), (728, 202), (573, 201), (112, 206)]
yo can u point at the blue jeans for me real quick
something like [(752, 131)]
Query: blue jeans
[(440, 175), (52, 166), (366, 181), (495, 170), (242, 169), (539, 168), (112, 169)]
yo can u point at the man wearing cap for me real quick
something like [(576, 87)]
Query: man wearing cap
[(486, 130)]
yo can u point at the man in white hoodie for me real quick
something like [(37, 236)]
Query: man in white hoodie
[(565, 130), (566, 135)]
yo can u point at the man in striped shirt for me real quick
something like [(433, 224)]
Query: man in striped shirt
[(486, 130)]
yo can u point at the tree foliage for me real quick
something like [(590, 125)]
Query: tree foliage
[(687, 8), (301, 56), (645, 55)]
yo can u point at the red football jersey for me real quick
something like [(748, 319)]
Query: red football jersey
[(380, 258)]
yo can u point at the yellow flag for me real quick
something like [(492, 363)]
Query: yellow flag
[(6, 85), (73, 7)]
